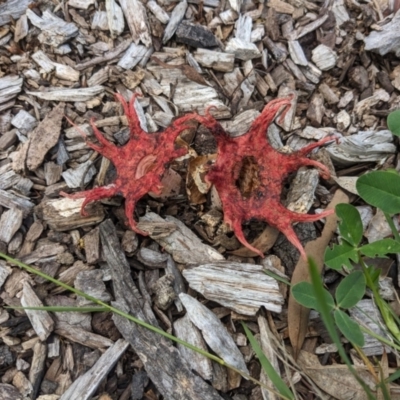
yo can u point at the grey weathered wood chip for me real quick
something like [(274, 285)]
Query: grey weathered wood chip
[(91, 282), (385, 40), (44, 137), (10, 86), (108, 56), (175, 19), (10, 222), (367, 314), (362, 147), (158, 11), (214, 332), (185, 330), (41, 321), (136, 17), (24, 122), (86, 385), (10, 200), (241, 287), (80, 176), (5, 271), (62, 94), (65, 214), (82, 336), (13, 9), (55, 31), (151, 258), (184, 246), (115, 18), (37, 366)]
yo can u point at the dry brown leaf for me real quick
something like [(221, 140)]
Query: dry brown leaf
[(384, 374), (336, 379), (264, 242), (347, 182), (297, 314)]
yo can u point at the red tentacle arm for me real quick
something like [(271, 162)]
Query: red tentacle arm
[(131, 114), (297, 217), (95, 194), (323, 170), (99, 136), (237, 228), (307, 149), (167, 141), (289, 232), (259, 127)]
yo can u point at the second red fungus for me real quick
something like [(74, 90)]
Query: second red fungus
[(262, 200)]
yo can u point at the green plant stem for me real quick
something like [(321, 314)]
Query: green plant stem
[(382, 305), (392, 227), (380, 338), (325, 313), (137, 321)]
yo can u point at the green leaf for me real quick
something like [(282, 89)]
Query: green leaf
[(350, 329), (350, 226), (393, 377), (340, 255), (304, 294), (380, 248), (276, 277), (380, 189), (393, 121), (351, 290), (281, 386)]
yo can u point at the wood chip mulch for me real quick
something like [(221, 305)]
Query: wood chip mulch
[(337, 60)]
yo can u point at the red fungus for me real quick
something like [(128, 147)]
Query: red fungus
[(140, 163), (270, 168)]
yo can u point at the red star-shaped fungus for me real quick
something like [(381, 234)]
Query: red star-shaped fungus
[(140, 163), (270, 168)]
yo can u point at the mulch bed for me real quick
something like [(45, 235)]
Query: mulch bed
[(337, 64)]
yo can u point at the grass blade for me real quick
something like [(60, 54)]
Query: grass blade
[(267, 366), (276, 277), (393, 377)]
